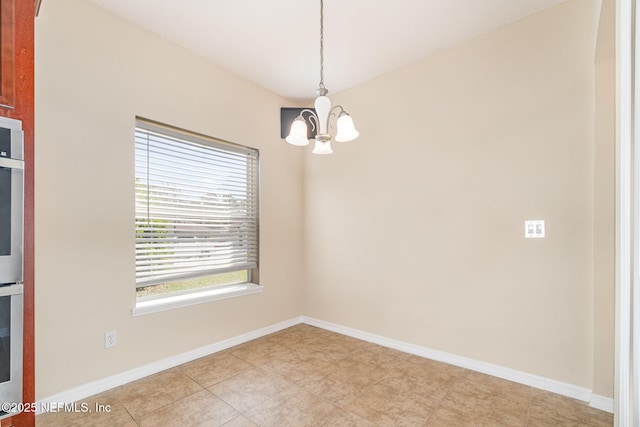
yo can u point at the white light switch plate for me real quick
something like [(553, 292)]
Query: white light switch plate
[(534, 229)]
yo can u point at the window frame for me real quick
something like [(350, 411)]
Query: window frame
[(153, 303)]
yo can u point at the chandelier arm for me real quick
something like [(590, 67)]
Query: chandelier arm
[(333, 113), (313, 118), (336, 108)]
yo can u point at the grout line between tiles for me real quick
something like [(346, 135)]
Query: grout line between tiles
[(526, 422)]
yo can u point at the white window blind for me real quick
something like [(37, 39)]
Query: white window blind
[(196, 205)]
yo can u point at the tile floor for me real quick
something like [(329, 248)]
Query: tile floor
[(306, 376)]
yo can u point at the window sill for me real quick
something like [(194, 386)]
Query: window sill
[(185, 300)]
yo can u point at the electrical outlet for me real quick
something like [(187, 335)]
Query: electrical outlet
[(110, 339)]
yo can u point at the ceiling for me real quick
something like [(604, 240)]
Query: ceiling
[(275, 43)]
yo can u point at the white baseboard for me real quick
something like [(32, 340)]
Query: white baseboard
[(99, 386), (558, 387), (601, 402)]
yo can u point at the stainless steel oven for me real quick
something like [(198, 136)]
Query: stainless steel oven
[(11, 248), (11, 306), (11, 200)]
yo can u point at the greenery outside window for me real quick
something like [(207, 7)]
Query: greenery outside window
[(196, 212)]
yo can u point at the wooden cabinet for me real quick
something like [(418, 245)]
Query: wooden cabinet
[(17, 19), (7, 53)]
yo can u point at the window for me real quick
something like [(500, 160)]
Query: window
[(196, 212)]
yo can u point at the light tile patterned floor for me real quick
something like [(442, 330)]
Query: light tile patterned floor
[(306, 376)]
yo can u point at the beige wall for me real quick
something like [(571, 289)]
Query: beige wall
[(95, 73), (604, 203), (415, 230), (604, 229)]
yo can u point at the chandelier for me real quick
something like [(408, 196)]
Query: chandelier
[(323, 114)]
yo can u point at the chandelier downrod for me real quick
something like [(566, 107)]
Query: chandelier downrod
[(321, 44)]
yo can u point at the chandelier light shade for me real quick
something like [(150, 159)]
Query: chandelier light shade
[(322, 147), (346, 129), (298, 134), (324, 113)]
